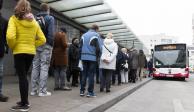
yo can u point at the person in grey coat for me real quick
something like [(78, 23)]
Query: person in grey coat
[(142, 62), (133, 65)]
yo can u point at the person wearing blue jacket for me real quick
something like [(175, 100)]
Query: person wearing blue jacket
[(89, 53)]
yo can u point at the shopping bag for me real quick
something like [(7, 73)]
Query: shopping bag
[(80, 65)]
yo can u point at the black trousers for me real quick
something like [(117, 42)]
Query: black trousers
[(133, 73), (106, 79), (22, 65), (118, 73), (75, 76)]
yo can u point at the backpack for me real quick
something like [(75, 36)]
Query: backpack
[(43, 24)]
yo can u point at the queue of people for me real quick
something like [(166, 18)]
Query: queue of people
[(34, 42)]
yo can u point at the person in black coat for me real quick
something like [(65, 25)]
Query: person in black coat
[(119, 61), (3, 49), (150, 67), (73, 61)]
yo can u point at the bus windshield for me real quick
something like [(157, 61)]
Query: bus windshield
[(170, 59)]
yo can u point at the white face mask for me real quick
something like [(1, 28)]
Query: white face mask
[(76, 41), (48, 11)]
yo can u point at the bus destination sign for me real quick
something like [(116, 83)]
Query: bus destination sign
[(168, 47)]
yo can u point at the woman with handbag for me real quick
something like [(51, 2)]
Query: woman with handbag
[(108, 62), (124, 71)]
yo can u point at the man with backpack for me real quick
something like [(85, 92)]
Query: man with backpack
[(42, 59)]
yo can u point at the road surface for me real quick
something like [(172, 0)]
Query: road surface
[(160, 96)]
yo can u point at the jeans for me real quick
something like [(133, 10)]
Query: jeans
[(22, 65), (40, 68), (60, 76), (89, 68), (1, 75), (97, 73)]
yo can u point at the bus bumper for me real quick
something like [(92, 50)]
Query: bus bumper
[(179, 75)]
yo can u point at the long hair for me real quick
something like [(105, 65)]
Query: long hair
[(23, 7)]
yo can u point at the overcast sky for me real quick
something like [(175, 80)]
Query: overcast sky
[(148, 17)]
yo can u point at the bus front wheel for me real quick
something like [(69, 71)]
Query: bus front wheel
[(183, 78)]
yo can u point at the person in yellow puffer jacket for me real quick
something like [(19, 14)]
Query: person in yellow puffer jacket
[(23, 36)]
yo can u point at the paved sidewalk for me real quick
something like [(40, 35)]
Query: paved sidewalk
[(65, 101)]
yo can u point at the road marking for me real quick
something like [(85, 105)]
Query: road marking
[(178, 107)]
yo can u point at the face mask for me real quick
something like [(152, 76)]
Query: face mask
[(76, 42)]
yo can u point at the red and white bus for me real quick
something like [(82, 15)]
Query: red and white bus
[(171, 60)]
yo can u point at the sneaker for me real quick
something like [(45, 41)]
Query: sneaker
[(74, 85), (3, 98), (82, 93), (45, 94), (33, 93), (20, 103), (97, 82), (56, 88), (101, 89), (65, 89), (107, 90), (91, 95), (20, 108)]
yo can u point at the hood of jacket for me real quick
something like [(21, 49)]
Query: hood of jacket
[(108, 41), (24, 22)]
